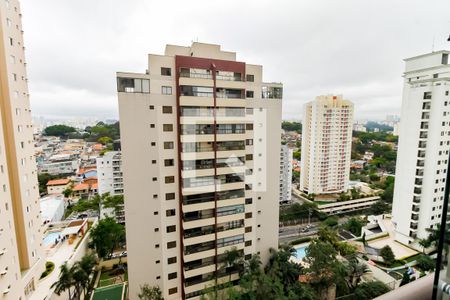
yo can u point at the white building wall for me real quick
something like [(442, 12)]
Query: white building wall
[(286, 156), (424, 140), (326, 145)]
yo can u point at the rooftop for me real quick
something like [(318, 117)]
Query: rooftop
[(58, 181)]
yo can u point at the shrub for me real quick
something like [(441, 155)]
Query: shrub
[(49, 267)]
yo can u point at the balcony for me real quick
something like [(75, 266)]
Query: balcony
[(420, 163), (415, 208), (423, 135), (418, 181), (416, 199)]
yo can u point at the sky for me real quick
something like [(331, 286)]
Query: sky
[(314, 47)]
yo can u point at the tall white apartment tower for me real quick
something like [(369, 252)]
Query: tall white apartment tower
[(21, 262), (200, 137), (286, 156), (326, 145), (423, 148)]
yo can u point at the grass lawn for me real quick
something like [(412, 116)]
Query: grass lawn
[(106, 279), (323, 202), (113, 292)]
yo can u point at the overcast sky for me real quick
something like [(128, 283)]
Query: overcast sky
[(350, 47)]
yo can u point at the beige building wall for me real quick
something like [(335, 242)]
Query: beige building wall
[(326, 145), (151, 157), (20, 236)]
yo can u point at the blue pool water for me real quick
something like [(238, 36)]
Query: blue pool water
[(301, 252), (51, 237)]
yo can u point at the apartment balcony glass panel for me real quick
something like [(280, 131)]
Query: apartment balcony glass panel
[(198, 231), (199, 198), (198, 215), (230, 145), (230, 210), (133, 85), (269, 92), (195, 73), (191, 249), (230, 225), (196, 91), (229, 93), (230, 76), (199, 263), (228, 241), (197, 147), (196, 129)]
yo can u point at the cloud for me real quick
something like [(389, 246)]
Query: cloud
[(349, 47)]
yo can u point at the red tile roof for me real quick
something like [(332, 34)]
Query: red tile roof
[(58, 181), (81, 187)]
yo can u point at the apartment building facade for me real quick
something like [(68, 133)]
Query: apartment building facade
[(110, 180), (200, 136), (21, 262), (286, 156), (424, 142), (326, 145)]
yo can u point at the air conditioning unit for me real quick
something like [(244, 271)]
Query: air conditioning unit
[(3, 272)]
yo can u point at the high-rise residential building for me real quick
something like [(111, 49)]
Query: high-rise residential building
[(326, 145), (21, 262), (424, 142), (200, 135), (110, 180), (286, 156)]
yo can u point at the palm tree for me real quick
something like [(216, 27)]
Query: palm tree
[(82, 272), (424, 243), (65, 281), (355, 270), (232, 259)]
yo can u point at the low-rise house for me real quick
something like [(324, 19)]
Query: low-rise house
[(81, 190), (57, 186)]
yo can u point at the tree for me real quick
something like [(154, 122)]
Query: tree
[(370, 290), (105, 140), (355, 193), (379, 207), (291, 126), (115, 202), (424, 243), (58, 130), (387, 255), (354, 225), (425, 263), (106, 236), (388, 193), (232, 260), (296, 155), (85, 267), (405, 278), (355, 270), (65, 281), (324, 269), (327, 234), (67, 192), (150, 293), (330, 221)]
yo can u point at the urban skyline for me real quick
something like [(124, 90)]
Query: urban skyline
[(310, 45)]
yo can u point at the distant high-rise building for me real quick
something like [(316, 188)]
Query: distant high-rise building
[(21, 261), (424, 143), (200, 138), (110, 180), (286, 174), (326, 145)]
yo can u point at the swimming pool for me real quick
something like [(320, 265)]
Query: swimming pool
[(301, 252), (51, 237)]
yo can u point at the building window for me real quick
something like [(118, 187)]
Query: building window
[(8, 22), (157, 246), (154, 178), (155, 213), (153, 161), (155, 196), (11, 42), (170, 196), (248, 126), (167, 109), (427, 95), (166, 90), (248, 229), (170, 212), (157, 262), (249, 142), (153, 143), (171, 245), (171, 228), (173, 290), (156, 229), (250, 77), (172, 260), (168, 145), (249, 94), (151, 107), (169, 179), (152, 125), (249, 111), (248, 243), (248, 215), (133, 85), (249, 157), (167, 127), (166, 71), (172, 275), (168, 162)]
